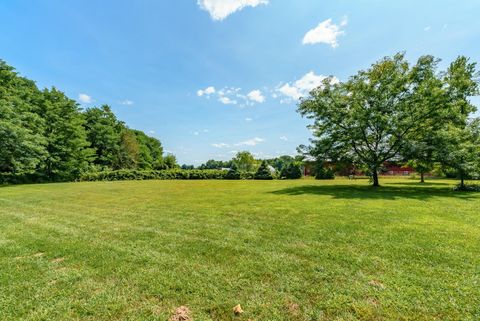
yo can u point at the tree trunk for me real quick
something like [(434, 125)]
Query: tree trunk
[(375, 177), (462, 183), (422, 177)]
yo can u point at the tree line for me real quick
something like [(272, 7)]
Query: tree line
[(395, 111), (46, 136)]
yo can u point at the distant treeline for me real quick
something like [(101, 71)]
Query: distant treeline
[(46, 136)]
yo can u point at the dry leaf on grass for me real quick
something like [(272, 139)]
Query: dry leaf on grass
[(237, 309), (377, 284), (181, 314)]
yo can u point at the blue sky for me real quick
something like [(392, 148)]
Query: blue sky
[(212, 77)]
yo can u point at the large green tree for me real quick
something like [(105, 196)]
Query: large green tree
[(369, 118), (68, 154), (245, 162), (104, 133), (22, 144)]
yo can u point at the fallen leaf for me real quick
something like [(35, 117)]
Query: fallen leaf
[(237, 309)]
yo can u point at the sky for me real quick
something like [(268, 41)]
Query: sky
[(210, 78)]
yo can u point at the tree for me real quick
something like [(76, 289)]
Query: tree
[(368, 119), (129, 150), (150, 149), (264, 172), (292, 171), (170, 161), (104, 135), (462, 150), (421, 154), (245, 162), (67, 146), (22, 144), (233, 173)]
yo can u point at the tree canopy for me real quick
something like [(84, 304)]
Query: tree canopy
[(380, 113), (46, 136)]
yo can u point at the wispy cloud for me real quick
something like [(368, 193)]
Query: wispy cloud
[(220, 145), (256, 96), (302, 87), (84, 98), (326, 32), (206, 92), (220, 9), (127, 102), (251, 142)]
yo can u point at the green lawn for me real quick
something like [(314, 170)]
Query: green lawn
[(284, 250)]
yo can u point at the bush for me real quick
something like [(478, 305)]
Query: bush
[(124, 174), (263, 172), (324, 173), (292, 171), (467, 188), (233, 173)]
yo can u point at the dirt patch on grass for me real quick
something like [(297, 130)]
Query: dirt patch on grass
[(181, 314), (58, 260), (377, 284)]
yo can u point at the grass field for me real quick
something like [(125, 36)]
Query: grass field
[(284, 250)]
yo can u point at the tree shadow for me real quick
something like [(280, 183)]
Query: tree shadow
[(386, 192), (417, 183)]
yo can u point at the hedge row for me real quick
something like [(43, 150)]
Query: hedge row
[(122, 175)]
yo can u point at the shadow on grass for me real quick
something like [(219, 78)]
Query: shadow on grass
[(414, 191), (417, 183)]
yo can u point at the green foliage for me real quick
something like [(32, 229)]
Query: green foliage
[(263, 172), (370, 118), (233, 173), (22, 143), (67, 146), (292, 170), (213, 164), (322, 172), (45, 136), (245, 162), (125, 174)]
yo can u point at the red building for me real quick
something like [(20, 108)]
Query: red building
[(388, 169)]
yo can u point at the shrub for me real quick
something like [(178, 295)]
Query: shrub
[(324, 173), (233, 173), (292, 171), (121, 175), (263, 172)]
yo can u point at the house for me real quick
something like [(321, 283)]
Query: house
[(388, 169)]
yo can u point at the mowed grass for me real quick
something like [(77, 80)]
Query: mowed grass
[(284, 250)]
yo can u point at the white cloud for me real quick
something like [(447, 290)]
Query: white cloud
[(251, 142), (220, 145), (84, 98), (303, 86), (326, 32), (207, 91), (427, 28), (151, 132), (220, 9), (284, 138), (227, 101), (196, 133), (256, 96), (248, 119), (127, 102)]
